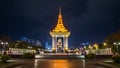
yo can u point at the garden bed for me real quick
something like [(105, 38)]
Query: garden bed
[(112, 63), (4, 64)]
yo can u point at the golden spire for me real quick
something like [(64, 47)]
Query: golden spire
[(60, 27), (60, 10)]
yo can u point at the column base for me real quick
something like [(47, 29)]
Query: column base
[(66, 48)]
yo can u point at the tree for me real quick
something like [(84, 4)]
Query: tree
[(4, 58), (4, 37), (111, 38), (100, 46)]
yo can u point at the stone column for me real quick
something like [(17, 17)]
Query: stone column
[(53, 42), (65, 42)]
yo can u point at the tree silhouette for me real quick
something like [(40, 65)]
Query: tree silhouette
[(111, 39), (4, 37)]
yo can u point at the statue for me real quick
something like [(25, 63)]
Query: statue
[(59, 45)]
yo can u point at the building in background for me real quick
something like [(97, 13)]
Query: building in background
[(31, 41)]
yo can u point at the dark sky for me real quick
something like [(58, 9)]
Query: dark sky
[(88, 20)]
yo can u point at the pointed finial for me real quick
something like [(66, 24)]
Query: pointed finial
[(60, 10)]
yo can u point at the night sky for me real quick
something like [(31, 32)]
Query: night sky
[(88, 20)]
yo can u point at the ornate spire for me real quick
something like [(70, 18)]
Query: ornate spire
[(60, 27), (60, 10)]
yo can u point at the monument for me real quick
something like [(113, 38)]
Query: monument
[(60, 35), (59, 42)]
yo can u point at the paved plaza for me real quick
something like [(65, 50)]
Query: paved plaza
[(61, 63)]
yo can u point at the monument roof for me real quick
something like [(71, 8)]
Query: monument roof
[(60, 26)]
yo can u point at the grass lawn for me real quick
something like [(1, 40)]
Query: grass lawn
[(2, 64), (116, 64)]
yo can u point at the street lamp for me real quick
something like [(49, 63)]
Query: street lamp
[(96, 46), (105, 44), (29, 47), (117, 43), (4, 44), (90, 47), (85, 47)]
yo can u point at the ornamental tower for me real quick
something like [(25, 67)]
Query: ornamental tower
[(60, 32)]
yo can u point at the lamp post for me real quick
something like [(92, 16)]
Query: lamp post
[(4, 45), (105, 45), (117, 44), (96, 46), (90, 47)]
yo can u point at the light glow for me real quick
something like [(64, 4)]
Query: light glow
[(38, 56), (105, 44), (60, 26)]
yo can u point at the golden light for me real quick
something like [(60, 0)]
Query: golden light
[(96, 46), (105, 44), (53, 48), (77, 49), (60, 27), (66, 48), (60, 31), (85, 47), (90, 47), (59, 64)]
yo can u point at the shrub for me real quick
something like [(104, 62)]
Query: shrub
[(66, 51), (116, 58), (91, 56), (28, 55), (4, 58)]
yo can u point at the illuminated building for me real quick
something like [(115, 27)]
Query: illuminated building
[(30, 41), (60, 34)]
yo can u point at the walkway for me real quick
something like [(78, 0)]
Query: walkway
[(61, 63)]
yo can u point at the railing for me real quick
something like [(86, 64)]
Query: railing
[(61, 54)]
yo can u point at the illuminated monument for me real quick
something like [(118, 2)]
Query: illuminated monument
[(60, 35)]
